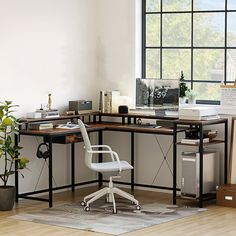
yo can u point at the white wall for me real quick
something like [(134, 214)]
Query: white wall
[(116, 45), (119, 61), (73, 49), (48, 46), (118, 56)]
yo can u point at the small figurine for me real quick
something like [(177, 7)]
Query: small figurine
[(49, 101)]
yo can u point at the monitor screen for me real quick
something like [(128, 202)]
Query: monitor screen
[(154, 93)]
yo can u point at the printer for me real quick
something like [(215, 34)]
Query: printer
[(198, 113)]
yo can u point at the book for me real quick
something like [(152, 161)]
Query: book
[(171, 113), (108, 102), (194, 141), (166, 112), (101, 101), (53, 113), (210, 117), (51, 116), (68, 126), (213, 117), (40, 126), (84, 112)]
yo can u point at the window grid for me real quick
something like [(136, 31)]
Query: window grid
[(191, 47)]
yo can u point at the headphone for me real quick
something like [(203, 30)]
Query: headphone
[(43, 151)]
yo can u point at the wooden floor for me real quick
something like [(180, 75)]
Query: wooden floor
[(216, 221)]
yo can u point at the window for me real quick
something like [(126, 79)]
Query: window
[(197, 37)]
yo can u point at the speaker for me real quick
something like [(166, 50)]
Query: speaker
[(43, 151), (80, 105), (123, 109)]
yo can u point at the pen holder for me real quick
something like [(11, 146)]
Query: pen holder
[(123, 109)]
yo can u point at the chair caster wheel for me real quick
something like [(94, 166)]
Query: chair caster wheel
[(138, 207), (83, 203), (87, 208)]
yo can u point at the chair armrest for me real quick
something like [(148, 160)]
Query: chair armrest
[(104, 146), (113, 155)]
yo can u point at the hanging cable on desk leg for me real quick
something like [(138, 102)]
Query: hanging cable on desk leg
[(43, 153)]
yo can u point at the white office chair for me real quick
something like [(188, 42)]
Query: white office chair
[(114, 166)]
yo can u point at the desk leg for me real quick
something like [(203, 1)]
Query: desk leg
[(72, 167), (200, 203), (100, 138), (226, 153), (174, 162), (132, 161), (50, 172), (16, 173)]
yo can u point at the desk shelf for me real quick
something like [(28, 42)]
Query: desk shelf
[(216, 141), (200, 125)]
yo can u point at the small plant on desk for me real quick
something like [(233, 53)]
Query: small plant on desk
[(182, 88), (191, 95), (9, 154)]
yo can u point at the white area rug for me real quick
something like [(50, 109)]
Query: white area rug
[(100, 217)]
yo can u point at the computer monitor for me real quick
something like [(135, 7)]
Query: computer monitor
[(157, 93)]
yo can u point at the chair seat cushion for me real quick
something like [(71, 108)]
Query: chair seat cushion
[(111, 166)]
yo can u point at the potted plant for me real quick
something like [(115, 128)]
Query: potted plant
[(182, 89), (9, 154), (191, 95)]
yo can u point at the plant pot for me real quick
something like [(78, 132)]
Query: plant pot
[(7, 197), (191, 101), (182, 100)]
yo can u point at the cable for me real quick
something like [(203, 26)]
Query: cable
[(41, 171)]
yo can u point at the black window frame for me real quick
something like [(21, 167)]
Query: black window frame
[(192, 47)]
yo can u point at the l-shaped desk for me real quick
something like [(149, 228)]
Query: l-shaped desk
[(128, 124)]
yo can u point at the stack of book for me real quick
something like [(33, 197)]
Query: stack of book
[(109, 101), (213, 117), (40, 125), (166, 112), (68, 126), (194, 141), (48, 113)]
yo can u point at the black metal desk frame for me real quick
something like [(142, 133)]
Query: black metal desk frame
[(50, 189), (201, 145), (121, 128)]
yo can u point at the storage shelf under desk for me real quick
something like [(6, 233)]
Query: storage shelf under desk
[(200, 126)]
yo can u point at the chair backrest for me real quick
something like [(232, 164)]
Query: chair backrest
[(88, 156)]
